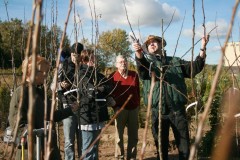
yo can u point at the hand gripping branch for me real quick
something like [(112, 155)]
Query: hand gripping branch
[(90, 89)]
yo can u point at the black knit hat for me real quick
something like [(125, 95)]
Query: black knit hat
[(77, 48)]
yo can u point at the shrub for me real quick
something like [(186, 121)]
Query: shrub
[(4, 104)]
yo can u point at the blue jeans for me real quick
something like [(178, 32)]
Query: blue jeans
[(87, 138), (70, 129)]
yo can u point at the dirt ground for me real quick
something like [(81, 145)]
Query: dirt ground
[(107, 146)]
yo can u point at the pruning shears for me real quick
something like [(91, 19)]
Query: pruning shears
[(151, 58)]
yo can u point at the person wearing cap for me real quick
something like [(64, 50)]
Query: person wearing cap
[(94, 90), (125, 82), (152, 60), (66, 80), (42, 68)]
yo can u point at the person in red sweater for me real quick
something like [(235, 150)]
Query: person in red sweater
[(125, 82)]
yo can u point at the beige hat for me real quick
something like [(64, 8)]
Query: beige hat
[(157, 38)]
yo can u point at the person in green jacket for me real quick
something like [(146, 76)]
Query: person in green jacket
[(151, 61), (42, 68)]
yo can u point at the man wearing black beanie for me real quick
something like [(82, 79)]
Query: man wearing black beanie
[(77, 48), (70, 124)]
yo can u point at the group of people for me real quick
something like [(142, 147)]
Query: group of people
[(115, 90), (85, 95)]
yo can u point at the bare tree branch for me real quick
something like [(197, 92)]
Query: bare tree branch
[(212, 91)]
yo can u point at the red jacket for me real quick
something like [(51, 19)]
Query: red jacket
[(122, 88)]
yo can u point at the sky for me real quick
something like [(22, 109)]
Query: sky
[(145, 17)]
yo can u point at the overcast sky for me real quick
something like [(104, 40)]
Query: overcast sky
[(146, 18)]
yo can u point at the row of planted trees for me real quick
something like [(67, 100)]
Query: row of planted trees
[(13, 37), (53, 56), (203, 84), (13, 43)]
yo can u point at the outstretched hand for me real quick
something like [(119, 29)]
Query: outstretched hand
[(204, 46), (65, 84), (136, 46), (138, 49), (205, 41), (74, 106)]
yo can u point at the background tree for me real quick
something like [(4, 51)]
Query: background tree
[(113, 43), (11, 41), (13, 38), (50, 41)]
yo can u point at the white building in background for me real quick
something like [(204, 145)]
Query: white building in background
[(232, 56)]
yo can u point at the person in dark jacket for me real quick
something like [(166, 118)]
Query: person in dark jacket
[(152, 61), (94, 89), (42, 67), (67, 76)]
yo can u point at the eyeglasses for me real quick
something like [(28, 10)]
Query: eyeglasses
[(122, 62)]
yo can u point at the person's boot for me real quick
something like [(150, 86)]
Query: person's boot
[(158, 157), (156, 144)]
